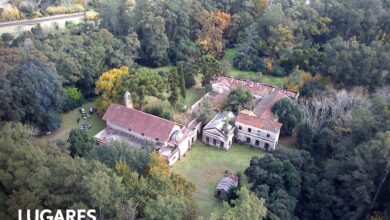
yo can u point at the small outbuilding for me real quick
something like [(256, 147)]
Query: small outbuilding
[(226, 186)]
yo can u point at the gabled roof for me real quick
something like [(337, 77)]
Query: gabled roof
[(228, 182), (264, 106), (140, 122), (257, 122), (257, 89)]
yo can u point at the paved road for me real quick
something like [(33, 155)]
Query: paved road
[(40, 20)]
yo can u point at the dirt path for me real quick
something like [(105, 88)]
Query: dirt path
[(40, 20)]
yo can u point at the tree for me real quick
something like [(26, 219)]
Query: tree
[(365, 171), (206, 112), (210, 35), (209, 67), (182, 84), (278, 182), (136, 158), (154, 41), (238, 100), (35, 96), (73, 98), (80, 143), (187, 70), (247, 56), (311, 88), (158, 187), (288, 114), (114, 16), (141, 83), (158, 111), (166, 207), (174, 81), (107, 86), (53, 182), (247, 206), (352, 63)]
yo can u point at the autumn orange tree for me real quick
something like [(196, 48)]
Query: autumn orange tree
[(210, 35), (157, 183), (107, 86)]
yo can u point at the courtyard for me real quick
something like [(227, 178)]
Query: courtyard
[(205, 165)]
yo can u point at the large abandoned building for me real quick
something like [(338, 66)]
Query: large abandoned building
[(131, 126), (258, 127)]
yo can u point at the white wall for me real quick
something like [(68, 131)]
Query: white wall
[(254, 135), (136, 134), (227, 142)]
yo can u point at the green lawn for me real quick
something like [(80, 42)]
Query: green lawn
[(205, 165), (69, 122), (249, 75)]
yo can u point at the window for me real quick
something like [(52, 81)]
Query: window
[(221, 144), (249, 130), (156, 139), (266, 146), (258, 132), (268, 135), (248, 140), (257, 143), (142, 134), (129, 129), (207, 139), (239, 127), (214, 142)]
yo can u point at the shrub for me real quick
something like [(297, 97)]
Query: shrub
[(10, 13), (6, 37), (91, 15), (73, 99), (53, 10), (159, 112)]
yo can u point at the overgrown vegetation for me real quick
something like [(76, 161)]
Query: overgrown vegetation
[(339, 171)]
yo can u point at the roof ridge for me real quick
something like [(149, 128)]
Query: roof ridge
[(122, 106)]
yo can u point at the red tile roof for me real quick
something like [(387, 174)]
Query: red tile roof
[(258, 122), (140, 122), (258, 89)]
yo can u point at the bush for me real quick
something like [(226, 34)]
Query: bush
[(27, 8), (91, 15), (159, 112), (10, 13), (6, 37), (278, 71), (53, 10), (73, 99)]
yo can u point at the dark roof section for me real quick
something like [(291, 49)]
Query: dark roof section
[(228, 182), (140, 122), (264, 106)]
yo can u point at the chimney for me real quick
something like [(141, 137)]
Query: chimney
[(128, 100)]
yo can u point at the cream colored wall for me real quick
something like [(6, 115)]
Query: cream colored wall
[(136, 134), (262, 137), (211, 135)]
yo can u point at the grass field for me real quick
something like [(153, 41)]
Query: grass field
[(69, 122), (249, 75), (205, 165)]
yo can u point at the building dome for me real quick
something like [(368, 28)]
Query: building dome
[(177, 136)]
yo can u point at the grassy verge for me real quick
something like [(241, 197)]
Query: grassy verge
[(249, 75), (205, 165), (69, 122)]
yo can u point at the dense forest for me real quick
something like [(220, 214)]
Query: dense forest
[(336, 53)]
